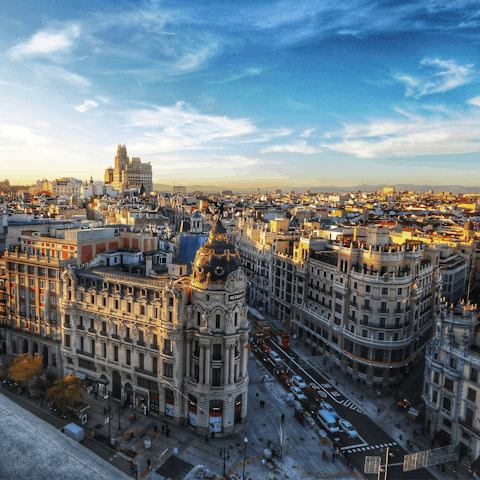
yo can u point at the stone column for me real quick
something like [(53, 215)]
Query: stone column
[(188, 359), (226, 360), (232, 364), (244, 362), (202, 364), (207, 364)]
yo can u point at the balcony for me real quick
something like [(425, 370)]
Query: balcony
[(84, 353), (91, 330), (67, 325), (353, 304), (127, 339), (145, 372), (398, 310), (104, 333), (154, 346), (353, 319), (141, 344), (167, 352), (80, 327), (383, 310), (367, 307), (115, 336)]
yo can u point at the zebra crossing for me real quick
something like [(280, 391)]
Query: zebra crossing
[(363, 448), (351, 405)]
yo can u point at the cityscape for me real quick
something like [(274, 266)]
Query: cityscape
[(240, 241)]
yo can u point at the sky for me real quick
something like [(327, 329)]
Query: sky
[(243, 92)]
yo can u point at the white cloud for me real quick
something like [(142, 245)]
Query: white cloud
[(448, 75), (436, 135), (60, 73), (248, 72), (182, 127), (475, 101), (298, 148), (47, 42), (85, 106), (270, 134), (307, 133)]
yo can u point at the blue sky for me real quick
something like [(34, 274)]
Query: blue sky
[(243, 92)]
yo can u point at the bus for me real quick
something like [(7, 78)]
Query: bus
[(258, 338), (263, 327), (283, 339)]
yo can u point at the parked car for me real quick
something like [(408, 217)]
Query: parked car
[(326, 406), (298, 381), (309, 420), (285, 379), (298, 393), (347, 427), (290, 399)]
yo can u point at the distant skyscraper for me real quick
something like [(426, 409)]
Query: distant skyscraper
[(129, 174)]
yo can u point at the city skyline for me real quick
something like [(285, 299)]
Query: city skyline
[(243, 94)]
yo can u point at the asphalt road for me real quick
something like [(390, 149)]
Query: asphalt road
[(372, 440), (52, 418)]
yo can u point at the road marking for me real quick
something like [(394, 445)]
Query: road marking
[(358, 448)]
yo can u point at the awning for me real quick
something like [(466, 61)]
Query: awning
[(102, 380)]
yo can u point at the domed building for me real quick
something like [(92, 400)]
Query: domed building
[(216, 335)]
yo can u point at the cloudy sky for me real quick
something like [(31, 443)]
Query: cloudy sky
[(251, 92)]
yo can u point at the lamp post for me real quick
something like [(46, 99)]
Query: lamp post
[(244, 456), (109, 436), (226, 456), (119, 427)]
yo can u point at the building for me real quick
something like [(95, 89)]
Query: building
[(173, 342), (451, 388), (129, 174), (178, 189), (67, 187)]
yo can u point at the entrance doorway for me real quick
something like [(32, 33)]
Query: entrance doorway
[(116, 385)]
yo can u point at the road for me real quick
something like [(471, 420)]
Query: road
[(372, 440), (53, 419)]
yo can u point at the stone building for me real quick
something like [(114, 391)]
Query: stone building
[(129, 174), (452, 382), (173, 342)]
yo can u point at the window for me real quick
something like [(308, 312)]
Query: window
[(217, 351), (447, 404), (129, 357), (92, 323), (381, 335), (471, 394), (141, 361), (52, 300), (31, 282), (142, 309), (104, 326), (236, 319), (453, 363), (435, 396), (198, 318), (67, 340), (368, 288), (399, 291), (384, 290), (217, 321), (473, 375), (92, 342), (381, 322), (155, 339), (140, 335), (383, 306), (216, 377), (129, 307), (42, 284), (82, 344), (355, 285), (367, 303), (52, 286), (104, 350), (167, 370), (115, 353), (395, 336), (365, 319), (447, 423), (436, 378), (448, 384), (127, 332), (469, 416), (154, 364), (364, 333)]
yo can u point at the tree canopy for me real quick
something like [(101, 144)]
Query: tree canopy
[(66, 392), (26, 367)]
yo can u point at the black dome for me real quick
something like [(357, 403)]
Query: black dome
[(216, 259)]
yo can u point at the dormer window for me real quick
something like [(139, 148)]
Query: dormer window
[(143, 292)]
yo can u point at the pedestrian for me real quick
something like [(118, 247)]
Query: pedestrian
[(333, 456), (96, 394), (264, 403), (324, 455), (131, 466), (155, 428), (213, 435), (256, 394), (163, 428), (166, 424), (206, 438), (361, 398), (135, 416), (148, 463), (283, 417), (378, 410), (168, 432), (131, 418)]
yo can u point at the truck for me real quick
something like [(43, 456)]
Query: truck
[(72, 430)]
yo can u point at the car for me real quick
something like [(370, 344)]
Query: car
[(290, 399), (348, 428), (326, 406), (285, 379), (309, 420), (298, 393), (314, 390), (298, 381)]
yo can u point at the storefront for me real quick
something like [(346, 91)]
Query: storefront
[(216, 416), (238, 410), (154, 402), (192, 410), (169, 403)]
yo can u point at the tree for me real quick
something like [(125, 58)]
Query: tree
[(42, 384), (66, 392), (26, 367), (5, 368)]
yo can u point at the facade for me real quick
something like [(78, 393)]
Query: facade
[(172, 342), (129, 174), (452, 382), (67, 186), (367, 305)]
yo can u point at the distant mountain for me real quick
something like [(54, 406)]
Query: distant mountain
[(161, 187)]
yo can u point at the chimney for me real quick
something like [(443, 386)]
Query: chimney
[(148, 264)]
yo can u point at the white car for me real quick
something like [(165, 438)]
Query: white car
[(298, 381), (290, 398), (347, 427), (298, 393), (326, 406)]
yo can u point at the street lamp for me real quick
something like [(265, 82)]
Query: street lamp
[(244, 455), (119, 427), (109, 436), (226, 456)]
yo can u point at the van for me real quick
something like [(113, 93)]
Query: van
[(274, 356), (327, 420), (73, 431)]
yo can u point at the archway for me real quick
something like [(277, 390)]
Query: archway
[(45, 356), (128, 390), (116, 384), (35, 348), (25, 346)]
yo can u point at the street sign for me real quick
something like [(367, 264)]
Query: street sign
[(372, 464), (107, 419), (430, 457)]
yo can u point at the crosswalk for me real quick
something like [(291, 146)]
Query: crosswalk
[(364, 448), (351, 405)]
